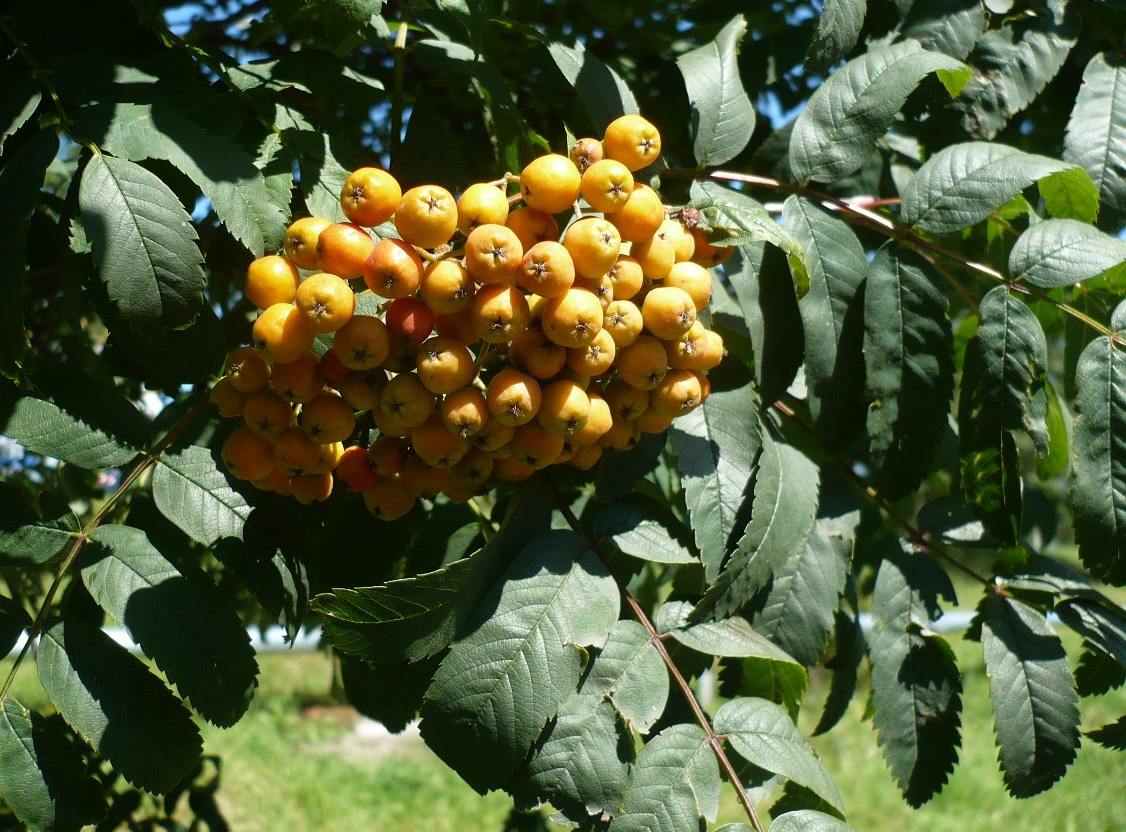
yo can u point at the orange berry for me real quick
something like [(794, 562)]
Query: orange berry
[(426, 216), (694, 279), (363, 343), (281, 333), (643, 363), (705, 254), (446, 287), (361, 390), (388, 455), (533, 353), (655, 255), (626, 401), (295, 452), (355, 469), (626, 277), (679, 392), (492, 254), (247, 455), (436, 445), (668, 312), (599, 419), (393, 269), (229, 400), (532, 226), (271, 279), (585, 457), (681, 240), (492, 437), (301, 241), (300, 380), (607, 185), (327, 419), (641, 217), (406, 399), (594, 245), (586, 152), (388, 500), (409, 319), (547, 269), (595, 358), (473, 470), (633, 141), (511, 469), (266, 413), (312, 488), (370, 196), (422, 480), (481, 204), (465, 411), (247, 370), (444, 364), (565, 407), (342, 249), (326, 302), (550, 183), (623, 321), (536, 446), (573, 318), (499, 313), (513, 397)]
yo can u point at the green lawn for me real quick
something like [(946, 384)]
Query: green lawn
[(296, 762)]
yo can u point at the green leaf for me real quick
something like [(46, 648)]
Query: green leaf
[(1070, 194), (498, 686), (795, 611), (631, 672), (1055, 462), (674, 782), (79, 420), (21, 179), (1014, 63), (222, 170), (1096, 131), (783, 682), (603, 94), (179, 619), (832, 319), (782, 516), (1035, 713), (1099, 621), (43, 777), (948, 26), (908, 353), (14, 619), (30, 534), (639, 527), (850, 648), (715, 446), (143, 243), (730, 637), (807, 820), (838, 29), (112, 700), (722, 114), (916, 689), (1112, 735), (739, 221), (21, 100), (322, 180), (389, 694), (413, 618), (837, 131), (1098, 471), (763, 734), (964, 183), (1062, 252), (1097, 672)]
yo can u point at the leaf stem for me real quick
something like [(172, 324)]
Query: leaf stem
[(714, 740), (400, 52), (79, 542)]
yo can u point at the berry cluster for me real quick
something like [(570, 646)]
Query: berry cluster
[(500, 349)]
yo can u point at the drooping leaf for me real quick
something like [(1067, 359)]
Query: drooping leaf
[(1097, 672), (522, 657), (782, 516), (14, 619), (808, 820), (1099, 621), (715, 446), (1035, 713), (764, 734), (77, 419), (837, 131), (1098, 472), (20, 102), (112, 700), (222, 170), (850, 648), (909, 366), (916, 689), (1070, 194), (832, 319), (674, 782), (948, 26), (43, 777), (639, 526), (603, 94), (20, 181), (795, 611), (1014, 63), (837, 31), (143, 243), (964, 183), (178, 618), (739, 221), (412, 618), (389, 694), (1062, 252), (730, 637), (783, 682), (1112, 735), (722, 113), (1096, 132)]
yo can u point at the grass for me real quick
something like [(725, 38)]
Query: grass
[(295, 763)]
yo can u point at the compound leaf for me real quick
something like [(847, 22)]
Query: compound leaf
[(1035, 713), (964, 183), (143, 243), (782, 516), (765, 735), (1062, 252), (177, 616), (498, 686), (639, 527), (674, 782), (909, 366), (43, 777), (723, 116), (730, 637), (1112, 735), (948, 26), (1096, 132), (1098, 473), (832, 319), (26, 536), (124, 711), (916, 689), (631, 672), (837, 131), (808, 820)]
